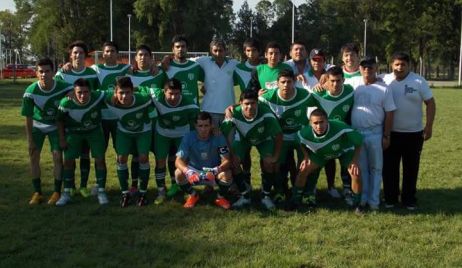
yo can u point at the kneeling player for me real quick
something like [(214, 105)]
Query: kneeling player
[(322, 141), (203, 159)]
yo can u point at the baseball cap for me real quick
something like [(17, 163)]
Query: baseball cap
[(368, 61), (317, 52)]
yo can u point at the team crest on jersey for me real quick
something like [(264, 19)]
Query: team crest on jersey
[(335, 147), (51, 112), (131, 123), (261, 130), (297, 113), (271, 85), (337, 117), (94, 115), (167, 122), (253, 141), (346, 107), (183, 85), (290, 121), (139, 115), (87, 123), (175, 118), (191, 76), (204, 156)]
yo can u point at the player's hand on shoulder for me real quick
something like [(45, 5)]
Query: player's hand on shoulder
[(261, 92), (67, 67), (165, 62)]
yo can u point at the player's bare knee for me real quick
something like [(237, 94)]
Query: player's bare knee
[(226, 177), (180, 177)]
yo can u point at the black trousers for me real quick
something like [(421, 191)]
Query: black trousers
[(405, 147)]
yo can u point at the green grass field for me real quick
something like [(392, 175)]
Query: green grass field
[(83, 234)]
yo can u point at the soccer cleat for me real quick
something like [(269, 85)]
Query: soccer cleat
[(124, 200), (191, 201), (268, 203), (160, 199), (36, 199), (279, 198), (72, 192), (174, 189), (102, 198), (309, 201), (84, 192), (411, 207), (222, 202), (348, 196), (333, 193), (54, 198), (142, 200), (389, 205), (373, 207), (241, 202), (359, 210), (64, 199)]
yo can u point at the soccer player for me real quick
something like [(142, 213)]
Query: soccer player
[(40, 107), (299, 63), (322, 141), (186, 71), (79, 123), (407, 133), (290, 105), (243, 71), (78, 50), (257, 126), (203, 158), (350, 59), (176, 116), (135, 112), (265, 76), (145, 74), (337, 101), (318, 68), (372, 116)]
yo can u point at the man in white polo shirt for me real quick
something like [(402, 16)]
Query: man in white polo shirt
[(408, 132), (372, 116), (218, 83)]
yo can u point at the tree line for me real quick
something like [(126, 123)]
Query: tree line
[(426, 29)]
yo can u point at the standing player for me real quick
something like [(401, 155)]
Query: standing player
[(203, 158), (322, 141), (350, 59), (243, 72), (79, 123), (257, 126), (40, 107), (408, 132), (78, 51), (299, 63), (176, 115), (372, 116), (134, 134)]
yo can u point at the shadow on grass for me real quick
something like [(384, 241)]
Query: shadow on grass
[(11, 132)]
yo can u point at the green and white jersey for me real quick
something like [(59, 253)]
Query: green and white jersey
[(266, 77), (292, 113), (88, 73), (338, 139), (146, 79), (135, 119), (189, 73), (242, 75), (337, 107), (262, 127), (42, 105), (173, 121), (348, 75), (79, 118), (107, 74)]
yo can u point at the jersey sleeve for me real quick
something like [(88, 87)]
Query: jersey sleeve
[(62, 110), (389, 103), (227, 126), (355, 137), (200, 74), (27, 108), (254, 83), (425, 90), (222, 146), (59, 76), (183, 150)]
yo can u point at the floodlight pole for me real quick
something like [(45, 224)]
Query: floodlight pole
[(293, 22), (460, 53), (110, 7), (129, 39), (365, 36), (251, 25)]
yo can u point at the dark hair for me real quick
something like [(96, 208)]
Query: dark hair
[(218, 43), (204, 116), (400, 56), (144, 47), (286, 73), (111, 44), (124, 82), (249, 94), (318, 112), (349, 47), (272, 44), (179, 38), (251, 42), (45, 62), (78, 43), (81, 82), (173, 83), (296, 42), (335, 70)]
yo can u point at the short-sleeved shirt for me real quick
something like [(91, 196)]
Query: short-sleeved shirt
[(264, 126), (189, 73), (107, 74), (71, 76), (337, 107), (146, 79), (42, 105), (202, 153), (408, 95), (370, 104), (266, 77), (349, 75), (243, 74)]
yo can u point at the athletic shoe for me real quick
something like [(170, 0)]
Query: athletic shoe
[(268, 203), (72, 192), (191, 201), (84, 192), (64, 199), (389, 205), (359, 210), (348, 197), (279, 198), (309, 201), (94, 190), (374, 207), (333, 193), (411, 207), (241, 202), (125, 200), (36, 199), (174, 189), (142, 200), (133, 190), (160, 199), (222, 202), (102, 198), (54, 198)]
